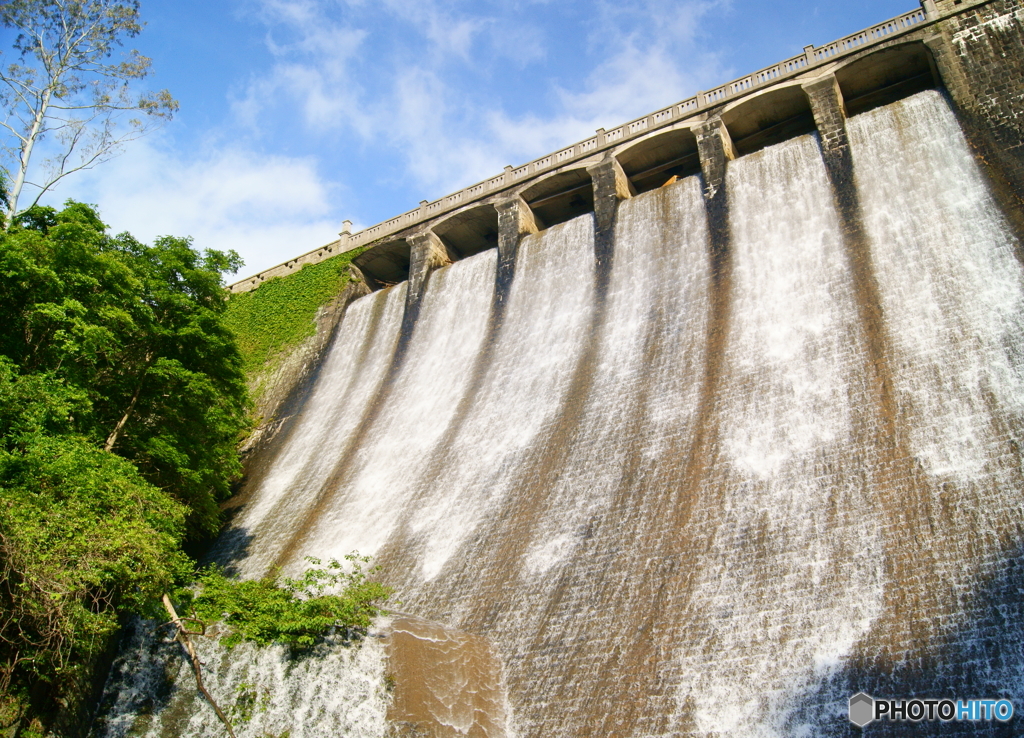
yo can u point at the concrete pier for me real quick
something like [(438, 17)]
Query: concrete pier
[(515, 220), (715, 147), (972, 48)]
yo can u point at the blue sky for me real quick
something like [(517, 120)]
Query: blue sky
[(298, 114)]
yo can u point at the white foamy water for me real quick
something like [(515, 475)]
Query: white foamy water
[(691, 510), (951, 287), (783, 598), (650, 347), (334, 691), (352, 372), (536, 351), (384, 479)]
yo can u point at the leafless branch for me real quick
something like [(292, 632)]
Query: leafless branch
[(64, 69)]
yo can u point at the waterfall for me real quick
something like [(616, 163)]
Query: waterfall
[(778, 502), (334, 691), (684, 495), (350, 378), (440, 503)]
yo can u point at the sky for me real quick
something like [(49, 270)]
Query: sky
[(299, 114)]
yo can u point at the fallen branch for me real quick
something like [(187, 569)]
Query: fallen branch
[(186, 642)]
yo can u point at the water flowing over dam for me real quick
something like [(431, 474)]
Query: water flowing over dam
[(711, 482), (727, 428)]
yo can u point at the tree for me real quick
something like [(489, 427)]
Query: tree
[(65, 86), (139, 329), (121, 405), (83, 538)]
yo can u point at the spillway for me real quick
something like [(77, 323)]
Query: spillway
[(713, 485)]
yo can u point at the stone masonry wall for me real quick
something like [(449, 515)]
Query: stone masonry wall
[(980, 54)]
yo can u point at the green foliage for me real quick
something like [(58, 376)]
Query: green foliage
[(250, 701), (82, 537), (121, 403), (280, 313), (292, 611), (138, 333)]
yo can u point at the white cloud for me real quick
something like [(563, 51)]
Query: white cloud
[(267, 208), (453, 132), (311, 73), (653, 60), (419, 81)]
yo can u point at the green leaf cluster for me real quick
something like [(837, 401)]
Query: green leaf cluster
[(83, 537), (292, 611), (137, 334), (122, 400), (279, 314)]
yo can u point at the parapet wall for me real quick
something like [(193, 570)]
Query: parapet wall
[(975, 49)]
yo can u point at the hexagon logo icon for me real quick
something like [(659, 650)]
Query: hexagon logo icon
[(862, 709)]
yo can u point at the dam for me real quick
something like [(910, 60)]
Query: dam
[(698, 434)]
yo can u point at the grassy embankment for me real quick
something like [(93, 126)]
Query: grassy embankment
[(280, 314)]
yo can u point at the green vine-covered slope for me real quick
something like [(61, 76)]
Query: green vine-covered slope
[(280, 314)]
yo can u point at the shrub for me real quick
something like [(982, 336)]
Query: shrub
[(292, 611)]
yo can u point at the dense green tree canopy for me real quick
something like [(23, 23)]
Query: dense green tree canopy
[(137, 331), (121, 405)]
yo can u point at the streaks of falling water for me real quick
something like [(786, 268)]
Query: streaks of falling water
[(952, 293), (589, 535), (950, 286), (334, 691), (385, 476), (948, 508), (543, 332), (632, 590), (351, 376), (776, 562), (641, 392)]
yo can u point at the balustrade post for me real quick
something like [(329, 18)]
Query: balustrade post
[(344, 236)]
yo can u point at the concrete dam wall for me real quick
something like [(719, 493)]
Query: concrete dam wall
[(740, 439)]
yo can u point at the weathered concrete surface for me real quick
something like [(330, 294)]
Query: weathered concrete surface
[(980, 56), (515, 220), (428, 253), (829, 112), (611, 186), (715, 149)]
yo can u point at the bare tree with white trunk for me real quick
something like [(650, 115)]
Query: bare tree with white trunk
[(66, 94)]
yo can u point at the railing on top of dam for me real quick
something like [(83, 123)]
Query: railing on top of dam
[(811, 57)]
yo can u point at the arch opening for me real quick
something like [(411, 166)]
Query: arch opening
[(660, 160), (385, 264), (771, 118), (470, 231), (560, 198), (886, 76)]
